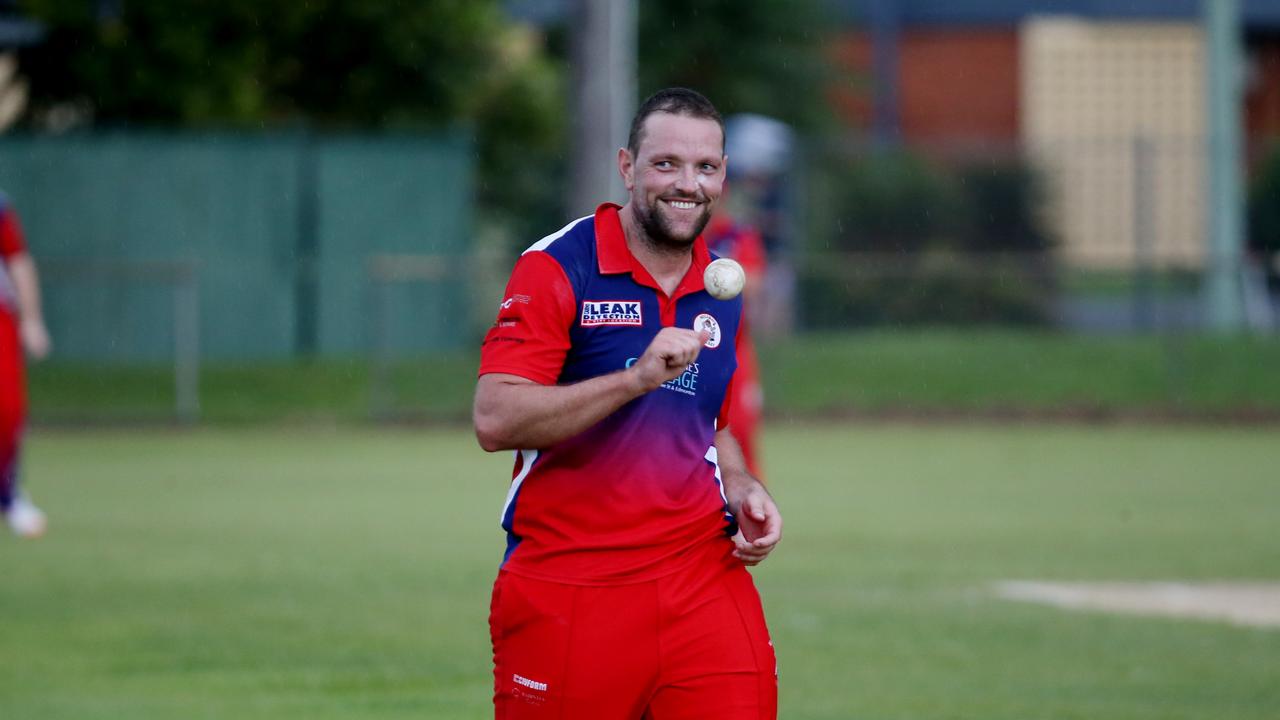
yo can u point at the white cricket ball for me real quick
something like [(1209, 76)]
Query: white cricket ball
[(724, 279)]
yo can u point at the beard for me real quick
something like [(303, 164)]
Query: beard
[(656, 225)]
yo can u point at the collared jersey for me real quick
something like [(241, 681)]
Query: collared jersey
[(11, 243), (633, 496)]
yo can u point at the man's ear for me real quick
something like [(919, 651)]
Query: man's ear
[(627, 168)]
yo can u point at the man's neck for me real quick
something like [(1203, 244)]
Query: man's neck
[(666, 264)]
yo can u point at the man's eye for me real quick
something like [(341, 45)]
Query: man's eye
[(708, 167), (662, 164)]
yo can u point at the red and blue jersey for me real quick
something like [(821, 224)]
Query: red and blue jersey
[(635, 495), (11, 243)]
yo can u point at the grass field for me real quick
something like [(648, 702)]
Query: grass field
[(920, 371), (345, 573)]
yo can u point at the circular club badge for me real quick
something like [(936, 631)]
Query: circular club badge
[(708, 323)]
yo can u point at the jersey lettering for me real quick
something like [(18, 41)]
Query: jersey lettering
[(611, 312)]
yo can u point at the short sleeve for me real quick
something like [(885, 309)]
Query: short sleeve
[(530, 337), (11, 240)]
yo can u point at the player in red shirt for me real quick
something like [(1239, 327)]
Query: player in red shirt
[(727, 237), (21, 323), (631, 515)]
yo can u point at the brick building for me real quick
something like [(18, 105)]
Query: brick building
[(1107, 98)]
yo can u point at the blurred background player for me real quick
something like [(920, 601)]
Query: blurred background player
[(761, 152), (749, 227), (729, 237), (21, 324)]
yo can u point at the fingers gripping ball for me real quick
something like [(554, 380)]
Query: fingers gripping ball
[(724, 279)]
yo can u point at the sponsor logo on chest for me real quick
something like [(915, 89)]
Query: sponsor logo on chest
[(685, 383), (611, 312)]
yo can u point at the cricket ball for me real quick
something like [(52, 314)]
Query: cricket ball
[(724, 279)]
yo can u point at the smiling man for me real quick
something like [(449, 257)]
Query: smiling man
[(631, 517)]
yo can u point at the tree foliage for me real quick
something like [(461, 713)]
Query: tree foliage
[(321, 64), (1264, 215), (405, 64), (334, 63), (759, 56)]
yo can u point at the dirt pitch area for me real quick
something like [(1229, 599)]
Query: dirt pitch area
[(1256, 604)]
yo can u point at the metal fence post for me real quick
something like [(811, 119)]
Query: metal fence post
[(1144, 291), (186, 343)]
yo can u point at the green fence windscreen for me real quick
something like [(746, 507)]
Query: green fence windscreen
[(275, 229)]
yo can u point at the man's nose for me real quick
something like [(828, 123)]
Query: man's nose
[(687, 180)]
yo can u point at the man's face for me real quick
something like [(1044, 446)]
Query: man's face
[(676, 176)]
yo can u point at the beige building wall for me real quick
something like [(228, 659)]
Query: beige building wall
[(1093, 95)]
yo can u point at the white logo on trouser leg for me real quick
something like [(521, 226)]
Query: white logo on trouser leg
[(531, 684)]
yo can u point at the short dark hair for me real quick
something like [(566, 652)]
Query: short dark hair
[(676, 101)]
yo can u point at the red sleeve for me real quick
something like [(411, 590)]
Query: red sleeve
[(11, 242), (530, 338)]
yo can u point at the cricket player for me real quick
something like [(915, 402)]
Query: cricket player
[(631, 516), (729, 238), (21, 324)]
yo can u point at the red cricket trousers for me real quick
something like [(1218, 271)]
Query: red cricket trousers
[(691, 645), (13, 404)]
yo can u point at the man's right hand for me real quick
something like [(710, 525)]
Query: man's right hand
[(515, 412), (667, 357)]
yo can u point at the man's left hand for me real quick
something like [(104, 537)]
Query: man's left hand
[(759, 526)]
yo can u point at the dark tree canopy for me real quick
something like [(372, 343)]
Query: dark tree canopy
[(336, 63), (761, 56), (407, 65)]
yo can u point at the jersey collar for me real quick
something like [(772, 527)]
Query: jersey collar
[(614, 257)]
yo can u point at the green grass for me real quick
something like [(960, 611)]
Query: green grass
[(435, 388), (984, 370), (921, 371), (345, 573)]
